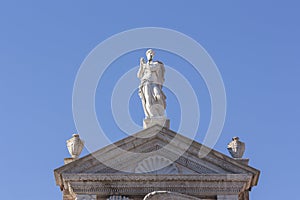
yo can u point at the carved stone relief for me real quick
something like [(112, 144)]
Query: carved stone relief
[(156, 164)]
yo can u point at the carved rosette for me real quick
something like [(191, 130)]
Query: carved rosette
[(75, 146)]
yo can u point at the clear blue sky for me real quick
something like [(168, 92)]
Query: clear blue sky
[(42, 44)]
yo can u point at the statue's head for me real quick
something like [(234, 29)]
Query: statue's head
[(150, 54)]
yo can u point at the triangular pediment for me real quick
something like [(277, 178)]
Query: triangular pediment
[(156, 150)]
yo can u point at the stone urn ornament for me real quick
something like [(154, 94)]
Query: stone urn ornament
[(236, 148), (75, 146)]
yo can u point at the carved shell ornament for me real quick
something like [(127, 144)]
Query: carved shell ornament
[(156, 164)]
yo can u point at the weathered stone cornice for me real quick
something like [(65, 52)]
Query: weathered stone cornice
[(135, 184), (158, 177)]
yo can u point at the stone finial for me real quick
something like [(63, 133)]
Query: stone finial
[(236, 148), (75, 146)]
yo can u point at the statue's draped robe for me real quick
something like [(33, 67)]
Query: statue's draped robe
[(150, 90)]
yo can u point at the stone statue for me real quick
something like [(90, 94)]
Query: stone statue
[(151, 74)]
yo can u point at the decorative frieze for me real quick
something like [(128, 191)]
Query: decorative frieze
[(136, 186), (85, 197), (117, 198), (228, 197)]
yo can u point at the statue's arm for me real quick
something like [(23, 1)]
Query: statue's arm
[(141, 69)]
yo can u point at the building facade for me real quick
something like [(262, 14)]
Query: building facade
[(156, 163)]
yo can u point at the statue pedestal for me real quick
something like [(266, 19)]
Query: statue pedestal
[(164, 122)]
